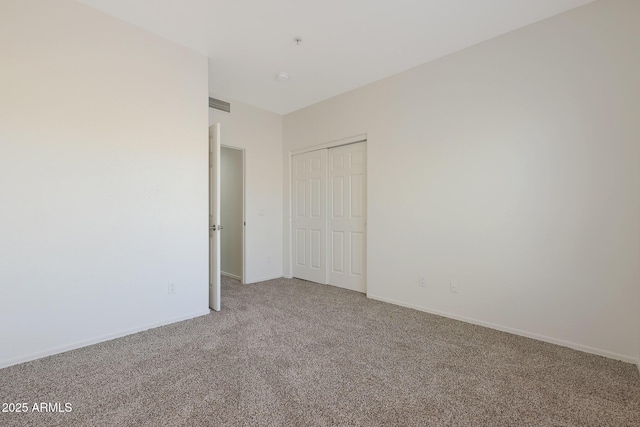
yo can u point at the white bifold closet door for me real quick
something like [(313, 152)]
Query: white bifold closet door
[(309, 216), (347, 216), (329, 216)]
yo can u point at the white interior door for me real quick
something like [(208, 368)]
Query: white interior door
[(309, 216), (214, 217), (347, 216)]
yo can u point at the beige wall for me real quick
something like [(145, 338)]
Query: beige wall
[(231, 215), (103, 179), (511, 168), (259, 132)]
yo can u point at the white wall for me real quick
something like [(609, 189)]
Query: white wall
[(231, 211), (511, 168), (259, 132), (103, 179)]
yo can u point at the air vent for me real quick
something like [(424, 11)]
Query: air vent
[(219, 105)]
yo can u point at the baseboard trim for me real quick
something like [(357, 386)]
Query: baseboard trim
[(79, 344), (534, 336), (263, 280), (638, 365), (233, 276)]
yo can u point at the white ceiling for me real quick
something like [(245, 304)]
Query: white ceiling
[(346, 43)]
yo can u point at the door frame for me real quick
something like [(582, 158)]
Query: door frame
[(244, 208), (327, 145)]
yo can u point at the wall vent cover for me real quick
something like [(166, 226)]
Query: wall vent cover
[(219, 105)]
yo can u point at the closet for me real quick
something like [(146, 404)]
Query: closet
[(329, 216)]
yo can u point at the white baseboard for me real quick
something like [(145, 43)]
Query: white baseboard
[(543, 338), (96, 340), (233, 276), (263, 279)]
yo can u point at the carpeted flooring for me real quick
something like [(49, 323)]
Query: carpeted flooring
[(293, 353)]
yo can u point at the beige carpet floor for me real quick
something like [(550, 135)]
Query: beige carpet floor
[(293, 353)]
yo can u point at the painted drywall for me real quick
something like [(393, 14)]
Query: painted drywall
[(259, 132), (512, 169), (231, 216), (103, 172)]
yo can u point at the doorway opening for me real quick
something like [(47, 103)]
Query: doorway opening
[(232, 207), (226, 203)]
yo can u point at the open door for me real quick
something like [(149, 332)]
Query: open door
[(214, 217)]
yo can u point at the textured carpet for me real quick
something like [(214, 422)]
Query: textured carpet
[(293, 353)]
